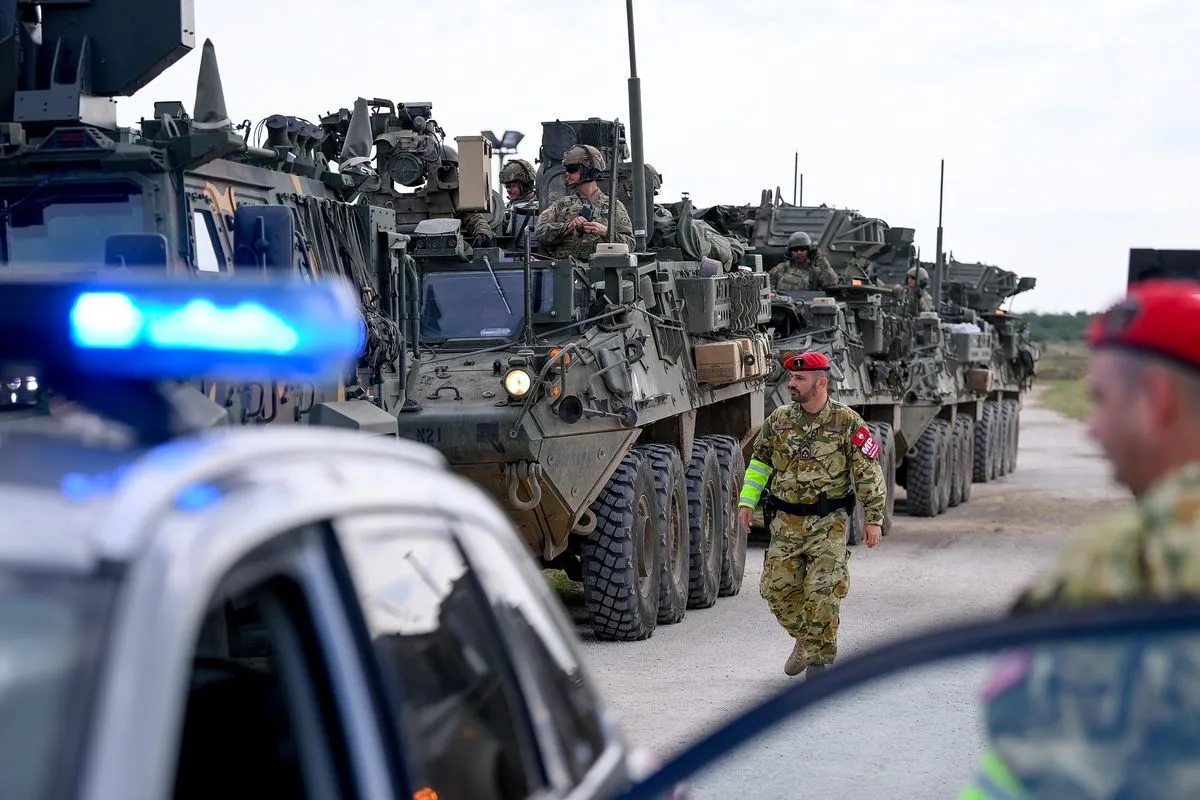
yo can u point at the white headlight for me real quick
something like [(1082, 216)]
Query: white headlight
[(517, 382)]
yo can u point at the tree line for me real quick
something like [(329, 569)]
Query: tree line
[(1057, 327)]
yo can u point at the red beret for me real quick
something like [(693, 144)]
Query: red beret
[(806, 362), (1161, 317)]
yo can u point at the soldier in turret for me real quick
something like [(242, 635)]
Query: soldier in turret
[(806, 268), (578, 220), (520, 183), (916, 285)]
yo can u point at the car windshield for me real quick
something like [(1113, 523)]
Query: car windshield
[(469, 305), (50, 635), (67, 223)]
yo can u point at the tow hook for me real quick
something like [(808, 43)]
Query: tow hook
[(524, 471)]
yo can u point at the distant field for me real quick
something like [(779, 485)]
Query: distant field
[(1061, 370)]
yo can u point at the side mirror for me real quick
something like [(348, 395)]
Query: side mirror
[(1025, 284), (136, 250), (263, 238), (1090, 702)]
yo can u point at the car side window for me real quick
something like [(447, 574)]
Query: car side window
[(260, 719), (526, 608), (454, 696)]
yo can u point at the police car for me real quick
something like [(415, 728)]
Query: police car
[(266, 613)]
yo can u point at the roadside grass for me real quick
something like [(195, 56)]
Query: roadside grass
[(1061, 370)]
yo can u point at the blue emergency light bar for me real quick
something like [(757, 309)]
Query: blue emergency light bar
[(167, 327)]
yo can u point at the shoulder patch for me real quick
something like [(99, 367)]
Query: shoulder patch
[(865, 442)]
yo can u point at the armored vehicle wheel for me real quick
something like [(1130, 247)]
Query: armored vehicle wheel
[(985, 443), (995, 428), (705, 518), (732, 465), (887, 462), (621, 557), (957, 451), (1014, 410), (1010, 428), (968, 460), (927, 471), (948, 466), (1000, 448), (671, 528)]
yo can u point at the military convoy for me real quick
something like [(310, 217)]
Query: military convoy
[(608, 406)]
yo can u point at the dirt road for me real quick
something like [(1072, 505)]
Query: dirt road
[(968, 562)]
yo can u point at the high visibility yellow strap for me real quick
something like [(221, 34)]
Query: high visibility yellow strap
[(993, 781), (757, 475)]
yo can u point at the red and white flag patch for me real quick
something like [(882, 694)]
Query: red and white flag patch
[(865, 442)]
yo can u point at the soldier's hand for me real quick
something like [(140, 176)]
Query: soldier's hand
[(598, 228), (575, 223), (745, 517), (872, 533)]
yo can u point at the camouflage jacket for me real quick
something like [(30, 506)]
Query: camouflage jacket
[(474, 223), (925, 303), (554, 238), (814, 274), (1151, 552), (810, 454)]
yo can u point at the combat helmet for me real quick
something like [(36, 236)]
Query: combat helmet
[(655, 178), (798, 240), (588, 157), (920, 274), (518, 170)]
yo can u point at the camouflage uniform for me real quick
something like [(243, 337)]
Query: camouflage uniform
[(553, 237), (816, 273), (806, 573), (925, 303), (475, 225)]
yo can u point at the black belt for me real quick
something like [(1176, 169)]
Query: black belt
[(824, 506)]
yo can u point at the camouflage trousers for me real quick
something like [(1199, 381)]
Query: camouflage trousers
[(806, 574)]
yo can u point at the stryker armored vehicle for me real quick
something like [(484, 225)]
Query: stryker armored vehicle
[(604, 404), (941, 393), (186, 194)]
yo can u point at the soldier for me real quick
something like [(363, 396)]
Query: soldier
[(1145, 386), (916, 285), (578, 221), (806, 268), (520, 183), (808, 452)]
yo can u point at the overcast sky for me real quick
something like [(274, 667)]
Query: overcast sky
[(1070, 128)]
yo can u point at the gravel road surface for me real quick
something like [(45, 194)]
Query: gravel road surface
[(965, 563)]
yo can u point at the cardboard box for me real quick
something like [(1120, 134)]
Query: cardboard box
[(719, 363)]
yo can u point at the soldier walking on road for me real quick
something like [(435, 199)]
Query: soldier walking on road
[(811, 453), (805, 270)]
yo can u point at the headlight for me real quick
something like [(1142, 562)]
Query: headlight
[(517, 382)]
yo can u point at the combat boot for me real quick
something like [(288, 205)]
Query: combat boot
[(795, 662)]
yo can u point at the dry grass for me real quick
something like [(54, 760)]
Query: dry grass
[(1061, 370), (1069, 398)]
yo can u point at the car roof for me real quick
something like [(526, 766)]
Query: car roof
[(71, 505)]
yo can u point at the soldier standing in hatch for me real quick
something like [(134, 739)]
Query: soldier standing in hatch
[(806, 268), (916, 285), (520, 183), (578, 220), (809, 452)]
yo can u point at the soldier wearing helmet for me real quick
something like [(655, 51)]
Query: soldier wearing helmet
[(520, 182), (916, 286), (806, 268), (578, 221)]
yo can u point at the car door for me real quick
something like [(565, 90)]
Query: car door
[(461, 723), (577, 732)]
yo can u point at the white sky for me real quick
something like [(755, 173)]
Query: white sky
[(1070, 128)]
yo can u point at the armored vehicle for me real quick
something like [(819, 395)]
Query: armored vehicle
[(940, 392), (604, 404), (188, 195)]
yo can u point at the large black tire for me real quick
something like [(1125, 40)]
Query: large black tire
[(671, 528), (1014, 410), (705, 518), (947, 475), (621, 557), (732, 465), (957, 452), (985, 443), (968, 462), (886, 437), (927, 472), (1000, 439)]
